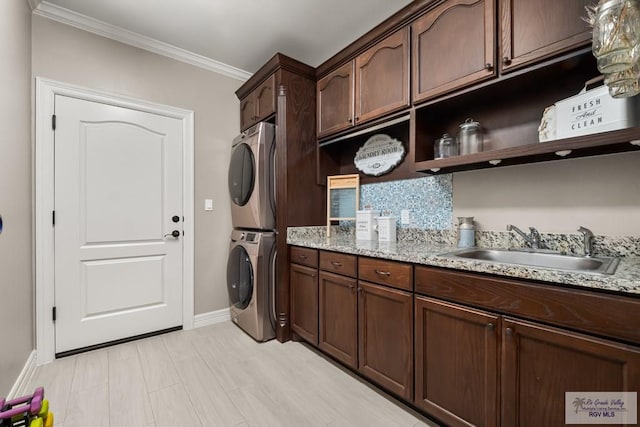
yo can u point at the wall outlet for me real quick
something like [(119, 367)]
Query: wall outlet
[(405, 217)]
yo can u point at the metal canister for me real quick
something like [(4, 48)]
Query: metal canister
[(470, 137)]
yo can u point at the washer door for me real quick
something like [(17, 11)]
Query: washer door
[(241, 174), (239, 278)]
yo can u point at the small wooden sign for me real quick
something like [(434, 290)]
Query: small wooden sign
[(343, 198)]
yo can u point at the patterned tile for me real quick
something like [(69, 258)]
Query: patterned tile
[(428, 199)]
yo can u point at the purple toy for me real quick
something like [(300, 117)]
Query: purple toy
[(21, 409)]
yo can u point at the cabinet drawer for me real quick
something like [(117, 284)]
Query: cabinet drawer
[(304, 256), (338, 263), (390, 273)]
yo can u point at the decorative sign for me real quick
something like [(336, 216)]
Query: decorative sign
[(379, 155)]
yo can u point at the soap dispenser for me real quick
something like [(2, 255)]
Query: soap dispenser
[(466, 232)]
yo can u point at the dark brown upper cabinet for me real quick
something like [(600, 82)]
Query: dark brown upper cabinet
[(259, 104), (382, 77), (373, 84), (335, 100), (453, 47), (535, 30)]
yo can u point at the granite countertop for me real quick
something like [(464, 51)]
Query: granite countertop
[(429, 252)]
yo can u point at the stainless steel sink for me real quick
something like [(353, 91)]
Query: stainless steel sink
[(602, 265)]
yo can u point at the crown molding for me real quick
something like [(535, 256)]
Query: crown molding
[(83, 22), (33, 4)]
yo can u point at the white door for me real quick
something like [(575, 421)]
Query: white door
[(118, 191)]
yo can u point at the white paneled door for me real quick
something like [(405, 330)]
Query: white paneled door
[(118, 223)]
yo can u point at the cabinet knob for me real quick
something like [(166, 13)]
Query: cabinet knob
[(349, 119), (352, 286), (357, 118), (303, 257), (491, 327), (488, 66), (509, 331), (506, 60), (359, 289), (383, 273), (336, 264)]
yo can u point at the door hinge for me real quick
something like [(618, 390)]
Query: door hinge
[(53, 218), (53, 122), (53, 313)]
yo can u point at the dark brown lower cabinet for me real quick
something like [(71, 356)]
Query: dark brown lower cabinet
[(304, 302), (339, 317), (541, 363), (457, 363), (385, 336)]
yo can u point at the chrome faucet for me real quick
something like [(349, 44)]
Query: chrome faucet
[(588, 240), (533, 239)]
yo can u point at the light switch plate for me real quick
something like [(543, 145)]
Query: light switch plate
[(208, 204)]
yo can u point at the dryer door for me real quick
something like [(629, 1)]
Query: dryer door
[(241, 174), (239, 278)]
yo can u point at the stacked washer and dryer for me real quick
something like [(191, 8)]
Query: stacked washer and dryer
[(252, 253)]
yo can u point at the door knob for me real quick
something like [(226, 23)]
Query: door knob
[(175, 218), (175, 234)]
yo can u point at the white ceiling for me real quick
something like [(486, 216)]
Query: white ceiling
[(243, 33)]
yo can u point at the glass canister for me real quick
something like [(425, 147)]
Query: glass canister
[(616, 45), (446, 146), (616, 35), (470, 137)]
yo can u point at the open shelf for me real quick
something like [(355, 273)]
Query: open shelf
[(509, 110), (589, 145)]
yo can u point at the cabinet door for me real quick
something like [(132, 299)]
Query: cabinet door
[(335, 100), (247, 111), (457, 363), (265, 96), (534, 30), (540, 364), (304, 302), (453, 47), (382, 77), (385, 337), (338, 317)]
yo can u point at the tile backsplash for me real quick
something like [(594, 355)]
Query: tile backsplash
[(429, 200)]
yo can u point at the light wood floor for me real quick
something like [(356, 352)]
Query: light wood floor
[(212, 376)]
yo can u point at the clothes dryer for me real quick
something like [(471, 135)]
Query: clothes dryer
[(252, 179), (250, 278)]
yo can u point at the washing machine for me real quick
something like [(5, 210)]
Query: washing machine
[(252, 178), (250, 279)]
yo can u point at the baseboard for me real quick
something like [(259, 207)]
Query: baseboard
[(20, 386), (211, 318)]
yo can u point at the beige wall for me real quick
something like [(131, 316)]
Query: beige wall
[(601, 193), (67, 54), (16, 284)]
